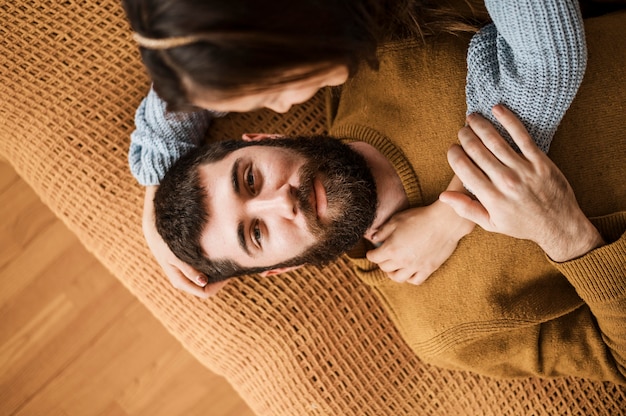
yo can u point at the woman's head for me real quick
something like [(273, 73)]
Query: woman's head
[(238, 48), (203, 52)]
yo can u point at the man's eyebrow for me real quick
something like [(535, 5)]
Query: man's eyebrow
[(235, 176), (242, 238)]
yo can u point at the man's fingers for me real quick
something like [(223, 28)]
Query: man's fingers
[(467, 171), (516, 129), (466, 207), (494, 152), (474, 147)]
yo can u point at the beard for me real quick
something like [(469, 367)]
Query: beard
[(350, 191)]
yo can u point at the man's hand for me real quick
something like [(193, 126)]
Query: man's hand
[(521, 195), (416, 242), (181, 275)]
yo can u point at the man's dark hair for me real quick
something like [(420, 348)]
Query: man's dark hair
[(181, 212), (179, 206), (247, 46)]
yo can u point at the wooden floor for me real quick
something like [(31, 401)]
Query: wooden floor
[(73, 341)]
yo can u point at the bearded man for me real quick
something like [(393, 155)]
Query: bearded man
[(538, 289), (265, 204)]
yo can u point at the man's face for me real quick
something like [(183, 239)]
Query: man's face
[(269, 204)]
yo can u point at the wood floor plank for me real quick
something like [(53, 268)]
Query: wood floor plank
[(48, 360), (36, 258), (23, 219), (7, 175), (74, 341), (92, 384), (68, 270)]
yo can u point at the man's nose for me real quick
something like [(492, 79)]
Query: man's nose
[(281, 201)]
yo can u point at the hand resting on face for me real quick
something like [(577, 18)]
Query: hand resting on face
[(181, 275)]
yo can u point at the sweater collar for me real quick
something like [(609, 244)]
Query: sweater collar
[(369, 272), (358, 133)]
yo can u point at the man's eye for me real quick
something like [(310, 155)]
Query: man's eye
[(256, 231), (250, 181)]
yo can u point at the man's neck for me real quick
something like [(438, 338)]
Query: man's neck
[(391, 194)]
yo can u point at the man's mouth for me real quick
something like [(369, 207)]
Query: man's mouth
[(320, 203)]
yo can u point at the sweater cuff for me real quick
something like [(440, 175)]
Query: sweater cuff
[(149, 170), (600, 275)]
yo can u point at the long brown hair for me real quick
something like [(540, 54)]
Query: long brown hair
[(236, 47)]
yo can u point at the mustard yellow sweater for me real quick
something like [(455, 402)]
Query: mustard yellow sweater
[(499, 306)]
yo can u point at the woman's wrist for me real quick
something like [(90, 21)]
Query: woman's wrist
[(463, 226), (148, 208), (458, 226)]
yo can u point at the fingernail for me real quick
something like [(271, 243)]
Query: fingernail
[(202, 280)]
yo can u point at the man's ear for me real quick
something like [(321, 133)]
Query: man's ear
[(279, 270), (254, 137)]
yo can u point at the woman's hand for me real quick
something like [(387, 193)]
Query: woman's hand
[(523, 195), (417, 241), (181, 275)]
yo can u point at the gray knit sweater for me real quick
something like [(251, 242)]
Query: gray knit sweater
[(532, 59)]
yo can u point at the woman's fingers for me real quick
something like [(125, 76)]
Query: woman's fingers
[(190, 273), (417, 278), (182, 282), (384, 232), (400, 276)]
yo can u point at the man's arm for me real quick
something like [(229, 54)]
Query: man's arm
[(526, 196), (533, 59)]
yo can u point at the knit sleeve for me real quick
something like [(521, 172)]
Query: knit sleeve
[(160, 138), (531, 59)]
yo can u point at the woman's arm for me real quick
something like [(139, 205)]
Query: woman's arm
[(531, 59), (160, 138), (417, 241)]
